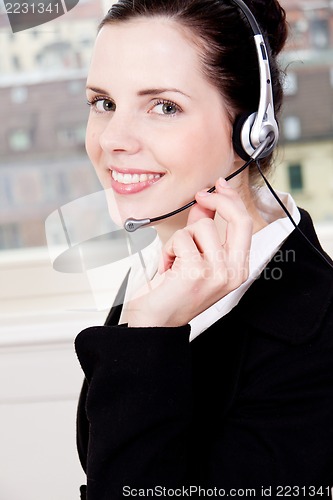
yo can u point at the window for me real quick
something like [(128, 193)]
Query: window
[(295, 175), (37, 316), (19, 94), (9, 236), (292, 128), (76, 87), (6, 190), (331, 77), (20, 140), (16, 63), (319, 33), (72, 134), (56, 56), (55, 185), (298, 30)]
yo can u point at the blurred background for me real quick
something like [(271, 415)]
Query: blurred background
[(43, 165)]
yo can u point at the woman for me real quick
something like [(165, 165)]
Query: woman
[(248, 403)]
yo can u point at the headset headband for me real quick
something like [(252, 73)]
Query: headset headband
[(252, 130)]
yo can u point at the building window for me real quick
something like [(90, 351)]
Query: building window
[(57, 55), (295, 175), (76, 87), (319, 33), (19, 94), (6, 191), (72, 135), (20, 140), (292, 128), (16, 63), (298, 32), (55, 185), (10, 236)]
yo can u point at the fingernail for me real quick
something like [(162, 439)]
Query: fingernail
[(223, 183), (204, 193)]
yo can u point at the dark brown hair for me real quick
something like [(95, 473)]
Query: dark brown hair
[(228, 53)]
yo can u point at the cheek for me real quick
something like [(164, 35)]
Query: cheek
[(203, 148), (195, 151), (217, 148), (92, 141), (176, 153)]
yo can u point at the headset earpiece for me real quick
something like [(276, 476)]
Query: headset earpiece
[(242, 136), (237, 136)]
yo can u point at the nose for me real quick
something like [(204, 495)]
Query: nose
[(120, 134)]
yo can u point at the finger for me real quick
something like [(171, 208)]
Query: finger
[(229, 205), (206, 238), (198, 212), (225, 201), (239, 226), (180, 245), (205, 245)]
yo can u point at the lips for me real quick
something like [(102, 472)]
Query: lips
[(126, 182)]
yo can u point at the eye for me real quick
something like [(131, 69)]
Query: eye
[(162, 107), (102, 105)]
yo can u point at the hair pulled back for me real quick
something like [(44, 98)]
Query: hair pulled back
[(225, 39)]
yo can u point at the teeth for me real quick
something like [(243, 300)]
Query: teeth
[(133, 178)]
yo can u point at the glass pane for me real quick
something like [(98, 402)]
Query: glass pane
[(304, 163), (43, 161)]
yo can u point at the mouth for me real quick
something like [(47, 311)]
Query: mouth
[(133, 182), (133, 178)]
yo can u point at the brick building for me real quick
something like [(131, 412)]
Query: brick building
[(307, 121), (43, 163)]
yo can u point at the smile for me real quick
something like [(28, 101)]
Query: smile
[(133, 178), (131, 183)]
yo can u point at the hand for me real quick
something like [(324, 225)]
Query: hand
[(196, 270)]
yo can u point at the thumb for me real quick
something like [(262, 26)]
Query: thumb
[(198, 212)]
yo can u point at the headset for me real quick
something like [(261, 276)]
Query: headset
[(256, 134)]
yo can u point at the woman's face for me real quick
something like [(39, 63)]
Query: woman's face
[(158, 131)]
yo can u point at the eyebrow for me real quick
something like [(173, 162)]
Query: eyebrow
[(152, 91), (155, 91), (96, 90)]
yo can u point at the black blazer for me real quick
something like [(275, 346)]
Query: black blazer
[(248, 404)]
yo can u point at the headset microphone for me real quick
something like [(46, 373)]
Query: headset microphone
[(132, 225)]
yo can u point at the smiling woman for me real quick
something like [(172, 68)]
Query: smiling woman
[(229, 410)]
